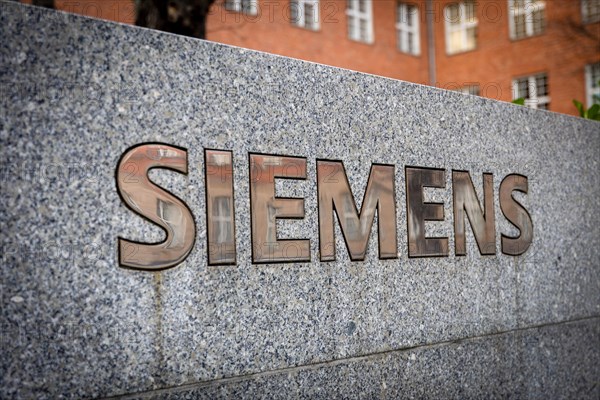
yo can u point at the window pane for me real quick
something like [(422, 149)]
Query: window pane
[(294, 12), (362, 6), (232, 5), (539, 21), (469, 12), (247, 6), (222, 218), (542, 85), (410, 14), (308, 15), (520, 26), (591, 10), (363, 29), (469, 89), (531, 90), (595, 75), (455, 41), (522, 90), (352, 27), (453, 14), (399, 38), (471, 39), (536, 3)]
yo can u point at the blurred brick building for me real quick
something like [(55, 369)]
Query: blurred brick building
[(545, 51)]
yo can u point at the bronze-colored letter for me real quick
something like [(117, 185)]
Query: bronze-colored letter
[(335, 194), (418, 212), (516, 214), (159, 206), (482, 222), (220, 210), (265, 209)]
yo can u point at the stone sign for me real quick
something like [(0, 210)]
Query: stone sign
[(185, 219)]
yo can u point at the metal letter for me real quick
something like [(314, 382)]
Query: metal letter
[(418, 212), (516, 214), (265, 209), (482, 222), (220, 210), (159, 206), (335, 194)]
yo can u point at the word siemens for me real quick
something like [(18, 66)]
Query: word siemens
[(334, 197)]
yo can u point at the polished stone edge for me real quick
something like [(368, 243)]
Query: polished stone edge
[(554, 360)]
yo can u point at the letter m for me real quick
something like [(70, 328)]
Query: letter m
[(334, 194)]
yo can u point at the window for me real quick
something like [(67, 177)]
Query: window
[(590, 10), (351, 223), (244, 6), (592, 84), (461, 27), (222, 219), (469, 89), (534, 89), (526, 18), (360, 20), (305, 13), (407, 27)]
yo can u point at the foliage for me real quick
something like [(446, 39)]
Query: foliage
[(183, 17), (591, 113), (520, 101)]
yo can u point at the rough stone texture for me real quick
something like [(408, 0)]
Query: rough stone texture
[(527, 363), (78, 92)]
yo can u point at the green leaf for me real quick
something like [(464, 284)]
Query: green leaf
[(594, 112), (580, 108), (520, 101)]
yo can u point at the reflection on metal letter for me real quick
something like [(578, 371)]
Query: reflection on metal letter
[(516, 214), (156, 204), (266, 209), (220, 210), (418, 212), (482, 222), (335, 194)]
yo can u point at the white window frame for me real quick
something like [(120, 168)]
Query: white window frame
[(513, 12), (300, 6), (587, 19), (535, 100), (590, 90), (403, 29), (353, 11), (238, 6), (463, 26)]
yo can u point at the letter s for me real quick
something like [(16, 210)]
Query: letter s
[(516, 214), (156, 204)]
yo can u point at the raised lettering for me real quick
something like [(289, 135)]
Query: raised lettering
[(335, 194), (159, 206)]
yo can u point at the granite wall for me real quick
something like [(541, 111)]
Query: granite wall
[(78, 92)]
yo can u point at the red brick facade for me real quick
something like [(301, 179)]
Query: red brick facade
[(561, 51)]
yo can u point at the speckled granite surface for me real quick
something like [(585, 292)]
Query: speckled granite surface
[(521, 364), (77, 92)]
